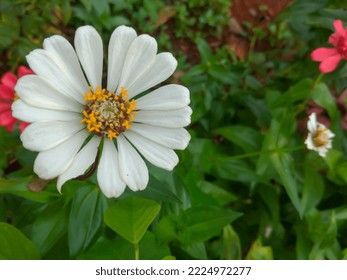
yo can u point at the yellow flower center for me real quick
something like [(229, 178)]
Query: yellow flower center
[(106, 113), (321, 138)]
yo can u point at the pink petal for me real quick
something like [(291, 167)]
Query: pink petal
[(22, 71), (330, 63), (9, 79), (11, 125), (321, 54), (22, 126), (6, 118), (339, 27), (4, 106), (6, 92)]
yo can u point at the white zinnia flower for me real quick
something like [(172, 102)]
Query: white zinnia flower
[(71, 113), (319, 137)]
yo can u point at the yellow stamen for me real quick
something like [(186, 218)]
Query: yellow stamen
[(108, 114), (321, 137)]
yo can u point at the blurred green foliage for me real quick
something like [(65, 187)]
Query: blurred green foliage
[(245, 188)]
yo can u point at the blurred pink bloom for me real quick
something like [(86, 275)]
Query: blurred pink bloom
[(322, 116), (329, 58), (342, 106), (7, 96)]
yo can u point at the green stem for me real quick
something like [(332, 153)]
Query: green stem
[(137, 251), (303, 105), (251, 46), (318, 79), (290, 149)]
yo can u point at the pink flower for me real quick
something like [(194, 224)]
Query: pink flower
[(8, 95), (329, 58)]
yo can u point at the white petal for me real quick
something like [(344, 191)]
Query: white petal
[(309, 142), (67, 59), (156, 154), (162, 68), (39, 92), (89, 49), (140, 55), (322, 151), (120, 41), (132, 168), (171, 119), (85, 157), (108, 174), (174, 138), (42, 136), (51, 163), (27, 113), (45, 64), (312, 123), (329, 145), (330, 134), (168, 97)]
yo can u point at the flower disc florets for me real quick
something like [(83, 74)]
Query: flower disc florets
[(320, 138), (106, 113)]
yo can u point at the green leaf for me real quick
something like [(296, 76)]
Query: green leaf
[(324, 236), (131, 217), (300, 90), (167, 228), (66, 11), (224, 75), (204, 49), (322, 96), (20, 187), (86, 218), (259, 252), (247, 138), (231, 245), (49, 227), (341, 170), (303, 243), (156, 190), (14, 245), (198, 224), (284, 166), (222, 196), (196, 250), (202, 161), (8, 33), (297, 92), (235, 170), (121, 249), (313, 188), (100, 6)]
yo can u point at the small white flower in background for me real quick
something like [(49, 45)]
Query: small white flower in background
[(319, 137), (72, 114)]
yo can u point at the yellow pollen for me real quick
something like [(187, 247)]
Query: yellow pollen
[(106, 113), (321, 137)]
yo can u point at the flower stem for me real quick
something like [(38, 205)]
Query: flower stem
[(303, 105), (318, 79), (248, 155), (137, 251), (251, 47)]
